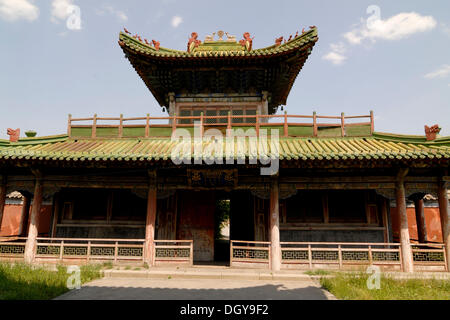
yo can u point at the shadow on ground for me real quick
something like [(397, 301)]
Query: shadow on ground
[(160, 291)]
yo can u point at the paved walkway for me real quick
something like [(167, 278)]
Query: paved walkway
[(198, 289)]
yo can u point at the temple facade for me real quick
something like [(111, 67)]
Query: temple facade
[(298, 191)]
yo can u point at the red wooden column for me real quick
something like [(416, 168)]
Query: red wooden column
[(150, 225), (30, 246), (407, 258), (275, 226), (420, 220), (2, 197), (23, 227), (444, 212)]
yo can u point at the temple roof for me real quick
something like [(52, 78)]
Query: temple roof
[(220, 66), (380, 147)]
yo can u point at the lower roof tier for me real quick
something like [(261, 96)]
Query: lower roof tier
[(378, 148)]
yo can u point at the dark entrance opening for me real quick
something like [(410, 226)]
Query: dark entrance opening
[(222, 229)]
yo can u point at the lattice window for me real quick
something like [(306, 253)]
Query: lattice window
[(428, 256), (355, 256), (325, 255), (172, 253), (129, 252), (294, 255), (48, 250), (385, 256), (8, 249), (102, 251), (75, 251), (250, 254)]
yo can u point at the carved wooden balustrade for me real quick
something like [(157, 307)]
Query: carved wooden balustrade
[(174, 251), (290, 125)]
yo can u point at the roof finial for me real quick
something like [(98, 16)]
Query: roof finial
[(432, 131), (13, 134)]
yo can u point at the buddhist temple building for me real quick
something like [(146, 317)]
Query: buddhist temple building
[(299, 191)]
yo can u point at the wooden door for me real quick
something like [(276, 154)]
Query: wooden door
[(196, 221)]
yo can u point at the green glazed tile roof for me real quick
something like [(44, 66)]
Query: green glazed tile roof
[(378, 147), (126, 40)]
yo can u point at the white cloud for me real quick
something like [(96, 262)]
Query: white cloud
[(176, 21), (120, 15), (335, 58), (60, 10), (336, 55), (12, 10), (396, 27), (445, 28), (442, 72)]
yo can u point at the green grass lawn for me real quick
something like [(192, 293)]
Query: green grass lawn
[(353, 286), (25, 282)]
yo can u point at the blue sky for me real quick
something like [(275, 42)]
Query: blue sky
[(396, 63)]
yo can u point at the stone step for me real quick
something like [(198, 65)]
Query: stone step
[(206, 274)]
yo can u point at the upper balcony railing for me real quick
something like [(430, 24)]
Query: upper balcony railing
[(289, 126)]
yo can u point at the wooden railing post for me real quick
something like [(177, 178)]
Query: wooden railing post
[(370, 255), (257, 123), (372, 123), (121, 126), (69, 125), (340, 256), (314, 124), (88, 258), (310, 256), (61, 250), (174, 122), (191, 254), (94, 126), (231, 253), (342, 125), (285, 126), (201, 124), (147, 125), (116, 251)]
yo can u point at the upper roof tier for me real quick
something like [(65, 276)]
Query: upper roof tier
[(219, 65)]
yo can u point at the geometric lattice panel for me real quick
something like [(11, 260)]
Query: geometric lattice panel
[(48, 250), (325, 255), (385, 256), (129, 252), (428, 256), (172, 253), (75, 251), (250, 253), (355, 255), (102, 251), (8, 249), (294, 255)]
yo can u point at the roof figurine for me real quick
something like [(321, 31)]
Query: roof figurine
[(278, 41), (247, 41), (156, 44), (193, 42), (13, 134), (432, 132)]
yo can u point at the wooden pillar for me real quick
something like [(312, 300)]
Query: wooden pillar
[(420, 220), (23, 227), (2, 197), (275, 226), (444, 213), (150, 225), (30, 246), (407, 258)]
